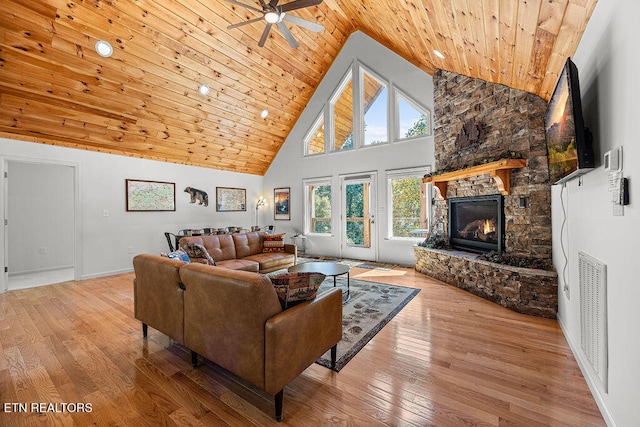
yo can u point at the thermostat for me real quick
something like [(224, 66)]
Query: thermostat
[(613, 160)]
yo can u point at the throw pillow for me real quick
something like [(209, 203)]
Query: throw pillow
[(296, 287), (179, 255), (195, 250), (273, 243)]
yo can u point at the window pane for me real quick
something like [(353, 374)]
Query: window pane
[(315, 140), (408, 210), (412, 122), (343, 119), (320, 208), (375, 111)]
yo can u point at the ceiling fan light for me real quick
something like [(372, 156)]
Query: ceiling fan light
[(104, 48), (272, 17)]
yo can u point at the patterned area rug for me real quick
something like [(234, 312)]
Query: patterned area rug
[(371, 306)]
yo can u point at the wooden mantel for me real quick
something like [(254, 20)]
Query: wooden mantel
[(500, 171)]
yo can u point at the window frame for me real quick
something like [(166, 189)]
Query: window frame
[(346, 79), (397, 95), (311, 133), (308, 219), (415, 172), (362, 70)]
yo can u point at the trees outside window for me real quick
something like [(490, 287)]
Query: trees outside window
[(318, 207), (412, 121), (408, 208)]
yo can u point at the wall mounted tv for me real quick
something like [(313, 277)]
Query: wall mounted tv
[(569, 148)]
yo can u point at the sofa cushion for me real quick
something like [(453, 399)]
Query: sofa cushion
[(220, 247), (240, 264), (273, 243), (179, 255), (195, 250), (296, 287), (272, 261), (248, 243)]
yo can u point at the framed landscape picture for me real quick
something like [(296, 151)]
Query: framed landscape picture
[(150, 196), (281, 203), (231, 199)]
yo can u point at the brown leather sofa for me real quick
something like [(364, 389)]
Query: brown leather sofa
[(243, 251), (234, 319)]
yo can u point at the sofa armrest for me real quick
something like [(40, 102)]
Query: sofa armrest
[(297, 337), (291, 248)]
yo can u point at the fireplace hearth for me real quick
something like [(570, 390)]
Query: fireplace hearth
[(476, 224)]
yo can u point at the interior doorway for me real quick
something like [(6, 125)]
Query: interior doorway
[(357, 216), (40, 217)]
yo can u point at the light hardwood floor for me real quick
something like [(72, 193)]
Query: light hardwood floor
[(447, 359)]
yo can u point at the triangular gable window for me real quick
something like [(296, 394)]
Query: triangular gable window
[(413, 120)]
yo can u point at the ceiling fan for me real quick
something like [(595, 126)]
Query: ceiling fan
[(274, 14)]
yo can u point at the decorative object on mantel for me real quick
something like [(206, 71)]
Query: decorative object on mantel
[(471, 135), (500, 171), (197, 196)]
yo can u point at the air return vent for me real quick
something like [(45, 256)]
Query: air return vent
[(593, 314)]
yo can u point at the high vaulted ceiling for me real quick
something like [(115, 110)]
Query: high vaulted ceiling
[(143, 101)]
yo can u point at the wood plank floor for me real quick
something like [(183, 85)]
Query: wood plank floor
[(447, 359)]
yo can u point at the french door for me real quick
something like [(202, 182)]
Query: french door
[(357, 216)]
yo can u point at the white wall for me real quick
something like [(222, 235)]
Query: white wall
[(41, 217), (608, 65), (291, 167), (103, 241)]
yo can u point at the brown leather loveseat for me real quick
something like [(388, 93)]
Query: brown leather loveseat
[(243, 251), (234, 319)]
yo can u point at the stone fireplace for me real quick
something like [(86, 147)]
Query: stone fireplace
[(477, 123)]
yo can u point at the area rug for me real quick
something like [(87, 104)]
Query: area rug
[(371, 306)]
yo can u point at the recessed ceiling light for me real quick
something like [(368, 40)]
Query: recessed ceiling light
[(264, 114), (104, 48), (439, 54), (272, 17), (204, 90)]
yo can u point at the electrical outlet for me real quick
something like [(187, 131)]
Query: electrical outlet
[(105, 213), (43, 250), (130, 250)]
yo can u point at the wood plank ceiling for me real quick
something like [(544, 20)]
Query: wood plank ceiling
[(143, 101)]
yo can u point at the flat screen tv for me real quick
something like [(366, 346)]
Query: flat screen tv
[(569, 150)]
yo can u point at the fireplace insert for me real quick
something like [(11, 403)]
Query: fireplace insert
[(476, 224)]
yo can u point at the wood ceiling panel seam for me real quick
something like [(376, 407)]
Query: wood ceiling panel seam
[(491, 11), (476, 20), (446, 44), (205, 45), (458, 44), (421, 14), (508, 14), (174, 75), (527, 20), (464, 28)]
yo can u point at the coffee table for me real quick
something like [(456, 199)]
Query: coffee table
[(328, 268)]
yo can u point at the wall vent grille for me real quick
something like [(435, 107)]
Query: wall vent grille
[(593, 314)]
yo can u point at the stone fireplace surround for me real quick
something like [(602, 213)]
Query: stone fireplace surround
[(478, 122)]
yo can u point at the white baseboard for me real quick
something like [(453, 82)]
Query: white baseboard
[(106, 273)]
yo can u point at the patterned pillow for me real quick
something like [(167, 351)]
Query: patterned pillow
[(296, 287), (195, 250), (273, 243), (179, 255)]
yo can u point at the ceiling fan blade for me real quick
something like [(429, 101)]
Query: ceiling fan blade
[(298, 4), (255, 9), (313, 26), (240, 24), (273, 3), (287, 35), (265, 34)]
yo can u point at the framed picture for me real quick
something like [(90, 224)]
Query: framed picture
[(281, 203), (150, 196), (231, 199)]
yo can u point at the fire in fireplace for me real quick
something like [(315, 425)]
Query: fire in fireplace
[(476, 224)]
